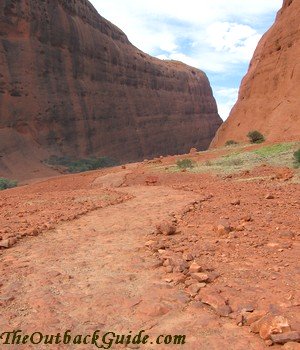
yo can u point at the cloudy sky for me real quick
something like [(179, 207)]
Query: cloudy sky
[(217, 36)]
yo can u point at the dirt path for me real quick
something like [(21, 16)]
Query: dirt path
[(94, 273)]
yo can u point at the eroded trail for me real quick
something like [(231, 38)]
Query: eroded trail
[(94, 273)]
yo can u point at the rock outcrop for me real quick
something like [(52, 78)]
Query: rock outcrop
[(72, 84), (269, 94)]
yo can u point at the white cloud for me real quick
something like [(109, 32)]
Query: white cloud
[(192, 11), (232, 38), (227, 92), (226, 98), (216, 36)]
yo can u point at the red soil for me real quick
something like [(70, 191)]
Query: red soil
[(107, 267)]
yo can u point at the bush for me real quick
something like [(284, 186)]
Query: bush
[(6, 183), (80, 165), (90, 164), (297, 158), (230, 143), (256, 137), (185, 163)]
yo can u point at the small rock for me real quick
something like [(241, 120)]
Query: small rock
[(157, 264), (269, 196), (247, 218), (236, 202), (167, 262), (240, 228), (179, 278), (291, 346), (155, 310), (169, 279), (166, 228), (34, 232), (233, 235), (200, 277), (212, 276), (247, 308), (286, 337), (269, 342), (150, 243), (180, 268), (223, 228), (187, 257), (255, 326), (169, 269), (270, 324), (193, 289), (151, 180), (215, 300), (194, 268), (4, 300), (250, 317), (8, 243), (189, 281), (224, 310), (287, 234), (5, 243)]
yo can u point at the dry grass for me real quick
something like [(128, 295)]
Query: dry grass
[(240, 159)]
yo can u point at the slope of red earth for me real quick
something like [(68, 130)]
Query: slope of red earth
[(212, 257), (29, 210)]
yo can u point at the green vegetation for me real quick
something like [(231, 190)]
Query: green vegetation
[(90, 164), (273, 150), (256, 137), (297, 158), (185, 163), (231, 143), (229, 163), (81, 165), (241, 159), (6, 183)]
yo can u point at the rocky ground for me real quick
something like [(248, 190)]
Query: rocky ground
[(214, 257)]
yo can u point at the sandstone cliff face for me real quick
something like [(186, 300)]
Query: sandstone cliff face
[(71, 83), (269, 94)]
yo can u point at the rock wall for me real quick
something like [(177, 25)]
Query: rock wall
[(269, 94), (71, 83)]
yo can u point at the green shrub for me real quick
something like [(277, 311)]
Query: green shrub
[(90, 164), (273, 150), (6, 183), (185, 163), (256, 137), (297, 158), (230, 143), (81, 165)]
